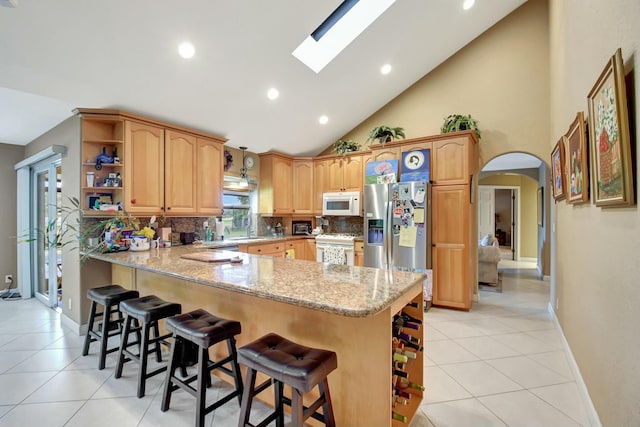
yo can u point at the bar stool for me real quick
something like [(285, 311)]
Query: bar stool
[(146, 311), (289, 363), (203, 330), (110, 297)]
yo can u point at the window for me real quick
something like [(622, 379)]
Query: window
[(239, 207)]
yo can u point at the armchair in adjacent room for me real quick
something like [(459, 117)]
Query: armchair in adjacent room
[(488, 258)]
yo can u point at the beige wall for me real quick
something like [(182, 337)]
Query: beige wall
[(66, 134), (501, 79), (9, 156), (596, 250), (528, 213)]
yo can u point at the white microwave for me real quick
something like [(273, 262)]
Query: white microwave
[(346, 203)]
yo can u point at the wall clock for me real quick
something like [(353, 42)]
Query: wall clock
[(249, 162)]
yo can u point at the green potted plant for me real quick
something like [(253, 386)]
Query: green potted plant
[(344, 146), (385, 134), (458, 122)]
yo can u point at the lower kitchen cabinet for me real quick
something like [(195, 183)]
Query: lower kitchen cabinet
[(358, 253)]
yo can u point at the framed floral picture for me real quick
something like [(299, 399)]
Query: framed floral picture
[(612, 183), (557, 171), (577, 161)]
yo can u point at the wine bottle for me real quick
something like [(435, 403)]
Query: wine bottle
[(400, 374), (413, 304), (402, 393), (399, 417), (409, 354), (403, 383), (409, 318), (399, 357), (401, 400), (407, 337), (411, 345)]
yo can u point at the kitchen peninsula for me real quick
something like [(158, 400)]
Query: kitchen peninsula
[(345, 309)]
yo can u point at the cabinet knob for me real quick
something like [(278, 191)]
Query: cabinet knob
[(169, 208), (259, 250)]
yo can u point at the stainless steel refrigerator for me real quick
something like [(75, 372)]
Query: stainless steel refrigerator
[(397, 226)]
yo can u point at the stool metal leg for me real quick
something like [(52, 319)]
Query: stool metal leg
[(247, 398), (87, 339)]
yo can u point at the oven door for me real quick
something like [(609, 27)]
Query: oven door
[(348, 252)]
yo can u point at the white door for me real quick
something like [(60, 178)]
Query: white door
[(486, 211)]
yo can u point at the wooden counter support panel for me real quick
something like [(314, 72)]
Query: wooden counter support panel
[(360, 387)]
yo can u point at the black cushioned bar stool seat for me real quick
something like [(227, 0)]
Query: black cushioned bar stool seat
[(146, 311), (203, 330), (110, 297), (293, 364)]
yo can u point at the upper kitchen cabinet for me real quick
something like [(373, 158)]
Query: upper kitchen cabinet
[(320, 167), (162, 168), (144, 172), (101, 135), (344, 173), (276, 174), (454, 158), (302, 186), (388, 151), (179, 172), (209, 176)]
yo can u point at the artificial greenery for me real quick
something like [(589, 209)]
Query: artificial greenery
[(344, 146), (385, 134), (458, 122)]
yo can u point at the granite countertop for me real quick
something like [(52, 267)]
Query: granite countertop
[(249, 240), (339, 289)]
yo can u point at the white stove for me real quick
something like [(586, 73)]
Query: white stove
[(335, 248)]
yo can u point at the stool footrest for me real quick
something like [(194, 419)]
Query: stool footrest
[(310, 411)]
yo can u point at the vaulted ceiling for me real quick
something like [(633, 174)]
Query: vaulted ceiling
[(122, 54)]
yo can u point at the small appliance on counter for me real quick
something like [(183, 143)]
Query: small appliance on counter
[(301, 227), (187, 238)]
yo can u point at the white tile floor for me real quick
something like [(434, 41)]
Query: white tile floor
[(500, 364)]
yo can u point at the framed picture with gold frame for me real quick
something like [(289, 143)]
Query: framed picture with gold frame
[(609, 138), (577, 161), (557, 171)]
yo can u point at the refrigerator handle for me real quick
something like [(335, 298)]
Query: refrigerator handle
[(389, 234)]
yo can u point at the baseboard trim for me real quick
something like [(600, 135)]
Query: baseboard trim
[(592, 414), (71, 324)]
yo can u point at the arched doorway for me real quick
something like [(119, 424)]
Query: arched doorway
[(511, 193)]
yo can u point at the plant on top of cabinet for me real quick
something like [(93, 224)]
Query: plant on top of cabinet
[(344, 146), (458, 122), (385, 134)]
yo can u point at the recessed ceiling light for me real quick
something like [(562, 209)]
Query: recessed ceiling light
[(323, 120), (273, 93), (385, 69), (186, 50), (468, 4)]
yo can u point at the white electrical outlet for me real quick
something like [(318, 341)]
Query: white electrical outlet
[(69, 304), (8, 278)]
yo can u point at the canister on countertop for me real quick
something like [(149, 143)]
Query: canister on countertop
[(219, 230)]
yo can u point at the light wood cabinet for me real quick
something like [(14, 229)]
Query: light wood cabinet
[(164, 169), (452, 271), (344, 173), (101, 133), (320, 172), (311, 249), (385, 152), (358, 253), (450, 161), (275, 197), (209, 176), (144, 185), (300, 248), (302, 186), (180, 172)]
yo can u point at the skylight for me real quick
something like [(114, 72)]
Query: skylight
[(344, 24)]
